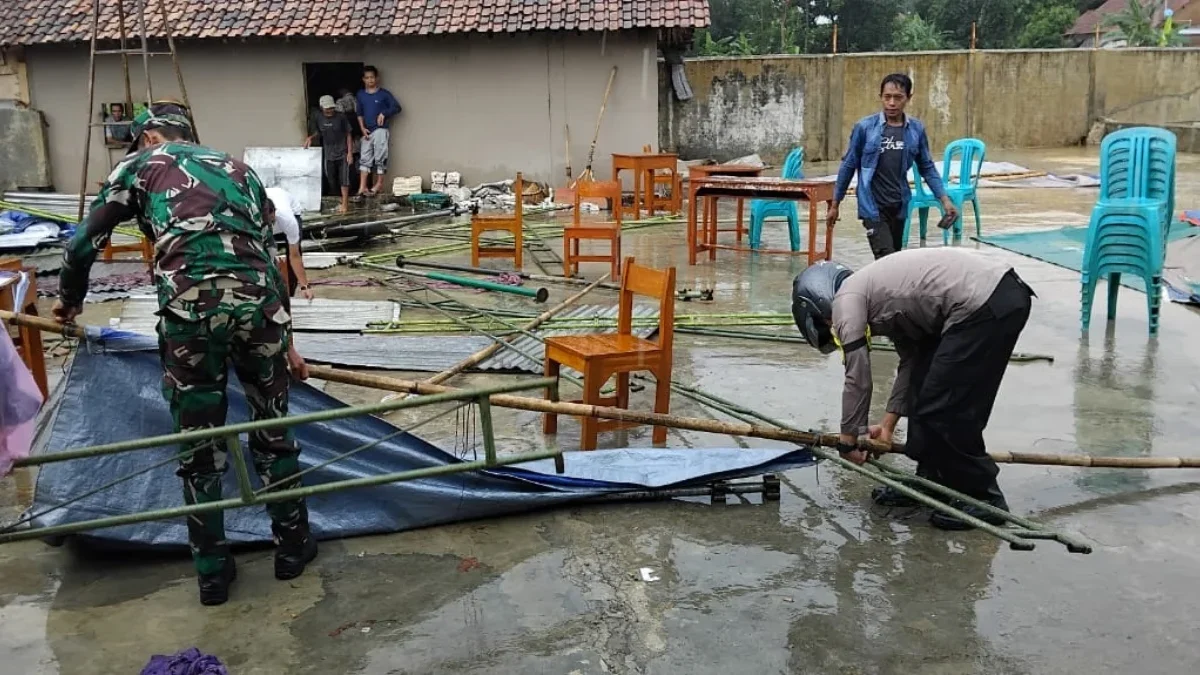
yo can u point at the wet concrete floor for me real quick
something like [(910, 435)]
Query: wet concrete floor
[(819, 582)]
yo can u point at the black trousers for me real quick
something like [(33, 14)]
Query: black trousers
[(953, 388), (886, 235)]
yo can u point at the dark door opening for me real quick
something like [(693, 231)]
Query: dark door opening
[(331, 79)]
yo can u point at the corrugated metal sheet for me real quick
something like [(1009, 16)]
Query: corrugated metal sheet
[(321, 315), (507, 359), (390, 352)]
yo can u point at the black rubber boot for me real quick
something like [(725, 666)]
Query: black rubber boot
[(885, 495), (214, 588), (291, 558), (943, 521)]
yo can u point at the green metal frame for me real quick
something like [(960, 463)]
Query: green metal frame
[(247, 496)]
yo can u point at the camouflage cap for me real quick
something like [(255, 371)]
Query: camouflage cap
[(156, 117)]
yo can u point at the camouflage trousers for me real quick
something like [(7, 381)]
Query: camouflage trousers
[(199, 337)]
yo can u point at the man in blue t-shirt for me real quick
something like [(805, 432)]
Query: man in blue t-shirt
[(376, 106)]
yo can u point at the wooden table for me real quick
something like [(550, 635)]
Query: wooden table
[(713, 187), (643, 167), (710, 210)]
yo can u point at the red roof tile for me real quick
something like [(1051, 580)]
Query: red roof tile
[(1088, 21), (51, 21)]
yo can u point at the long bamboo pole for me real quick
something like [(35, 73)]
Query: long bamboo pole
[(676, 422), (736, 429)]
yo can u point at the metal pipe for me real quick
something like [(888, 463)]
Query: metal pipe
[(450, 267), (675, 493), (272, 497), (538, 294), (278, 423)]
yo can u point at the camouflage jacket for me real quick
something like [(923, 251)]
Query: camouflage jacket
[(202, 209)]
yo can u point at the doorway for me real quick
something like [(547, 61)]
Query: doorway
[(330, 79)]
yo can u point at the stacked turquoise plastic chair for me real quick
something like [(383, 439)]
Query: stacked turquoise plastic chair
[(1132, 218), (761, 209), (922, 200), (962, 186)]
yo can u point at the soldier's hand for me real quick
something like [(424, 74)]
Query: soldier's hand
[(307, 292), (297, 365), (63, 313)]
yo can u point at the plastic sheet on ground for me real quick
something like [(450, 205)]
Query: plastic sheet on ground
[(1064, 247), (1006, 175), (111, 394)]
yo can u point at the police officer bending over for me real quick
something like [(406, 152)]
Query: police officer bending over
[(954, 317)]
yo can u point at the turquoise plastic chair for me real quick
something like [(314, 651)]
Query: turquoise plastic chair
[(1131, 221), (962, 186), (761, 209), (922, 201)]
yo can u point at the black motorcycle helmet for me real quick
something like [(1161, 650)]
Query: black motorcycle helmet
[(812, 302)]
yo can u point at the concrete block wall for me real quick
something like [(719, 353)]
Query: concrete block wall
[(1009, 99)]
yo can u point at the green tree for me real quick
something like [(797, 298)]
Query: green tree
[(997, 22), (1137, 25), (914, 34), (1046, 25), (865, 25)]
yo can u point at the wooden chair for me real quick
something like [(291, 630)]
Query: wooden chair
[(142, 246), (673, 202), (599, 357), (505, 223), (28, 341), (578, 231)]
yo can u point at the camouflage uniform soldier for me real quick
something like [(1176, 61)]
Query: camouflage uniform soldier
[(221, 300)]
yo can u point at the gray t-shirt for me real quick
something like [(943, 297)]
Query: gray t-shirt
[(333, 131), (910, 296)]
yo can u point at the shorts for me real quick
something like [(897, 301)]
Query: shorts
[(374, 152), (337, 173)]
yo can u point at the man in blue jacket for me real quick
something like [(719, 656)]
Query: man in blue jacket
[(882, 149), (376, 107)]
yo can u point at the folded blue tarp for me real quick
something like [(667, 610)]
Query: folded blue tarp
[(112, 393)]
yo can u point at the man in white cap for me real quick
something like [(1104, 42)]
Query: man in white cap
[(337, 145)]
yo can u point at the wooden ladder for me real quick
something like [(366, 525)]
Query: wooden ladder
[(125, 51)]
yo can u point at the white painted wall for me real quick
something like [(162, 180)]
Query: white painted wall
[(486, 107)]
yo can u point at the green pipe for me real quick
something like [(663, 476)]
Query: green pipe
[(283, 495), (281, 422), (369, 444), (1073, 545), (62, 218), (745, 335), (1015, 542), (239, 467), (538, 294)]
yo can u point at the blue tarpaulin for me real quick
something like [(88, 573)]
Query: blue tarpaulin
[(112, 393)]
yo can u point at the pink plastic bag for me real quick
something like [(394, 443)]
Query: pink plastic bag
[(20, 400)]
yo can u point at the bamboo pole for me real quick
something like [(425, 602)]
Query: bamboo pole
[(493, 348), (673, 421)]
